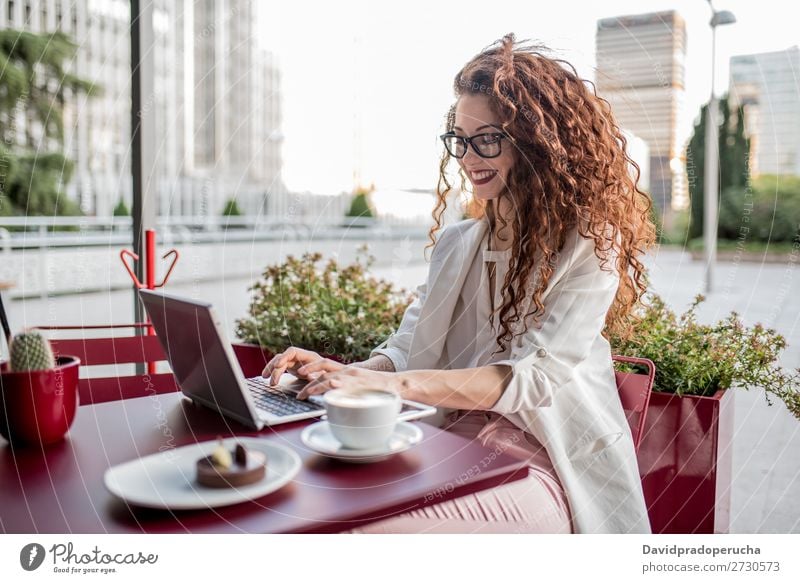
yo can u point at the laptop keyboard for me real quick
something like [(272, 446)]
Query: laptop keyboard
[(277, 401)]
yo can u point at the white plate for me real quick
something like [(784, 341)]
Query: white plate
[(319, 438), (167, 479)]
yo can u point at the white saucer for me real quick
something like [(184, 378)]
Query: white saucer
[(319, 438), (167, 479)]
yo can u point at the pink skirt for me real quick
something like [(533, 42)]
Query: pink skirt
[(536, 504)]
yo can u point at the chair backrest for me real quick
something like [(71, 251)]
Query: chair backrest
[(634, 392), (115, 351)]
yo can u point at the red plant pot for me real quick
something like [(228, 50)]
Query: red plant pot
[(38, 407), (685, 462)]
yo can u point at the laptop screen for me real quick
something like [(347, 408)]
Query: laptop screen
[(195, 348)]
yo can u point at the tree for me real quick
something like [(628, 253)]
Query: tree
[(734, 150), (360, 206), (231, 209), (34, 83), (35, 188), (121, 210)]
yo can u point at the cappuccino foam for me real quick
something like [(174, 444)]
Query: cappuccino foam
[(366, 398)]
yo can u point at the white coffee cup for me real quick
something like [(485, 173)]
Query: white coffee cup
[(362, 419)]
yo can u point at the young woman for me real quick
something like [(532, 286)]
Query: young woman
[(506, 336)]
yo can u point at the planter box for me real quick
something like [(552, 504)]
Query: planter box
[(685, 462)]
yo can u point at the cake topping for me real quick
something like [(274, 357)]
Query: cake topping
[(240, 455), (221, 457)]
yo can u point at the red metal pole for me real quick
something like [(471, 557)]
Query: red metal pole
[(150, 279), (150, 258)]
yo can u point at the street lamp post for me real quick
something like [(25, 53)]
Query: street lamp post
[(711, 178)]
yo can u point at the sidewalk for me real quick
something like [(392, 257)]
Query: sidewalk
[(766, 467)]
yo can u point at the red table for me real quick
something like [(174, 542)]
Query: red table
[(60, 489)]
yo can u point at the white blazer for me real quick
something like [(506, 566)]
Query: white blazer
[(562, 389)]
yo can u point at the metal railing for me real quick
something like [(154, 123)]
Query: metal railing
[(53, 232)]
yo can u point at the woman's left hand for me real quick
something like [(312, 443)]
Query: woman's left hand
[(351, 377)]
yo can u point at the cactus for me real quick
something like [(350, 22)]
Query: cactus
[(30, 351)]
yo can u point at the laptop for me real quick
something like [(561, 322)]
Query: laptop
[(208, 373)]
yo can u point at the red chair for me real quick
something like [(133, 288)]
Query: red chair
[(115, 351), (634, 392)]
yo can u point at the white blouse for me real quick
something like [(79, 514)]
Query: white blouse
[(473, 338), (470, 344)]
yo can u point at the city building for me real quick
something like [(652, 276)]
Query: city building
[(641, 73), (766, 85), (217, 100), (639, 152), (236, 107)]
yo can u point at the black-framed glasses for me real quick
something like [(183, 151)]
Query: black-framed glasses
[(485, 145)]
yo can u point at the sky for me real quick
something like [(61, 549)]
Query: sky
[(388, 68)]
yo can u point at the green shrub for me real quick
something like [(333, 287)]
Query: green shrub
[(121, 210), (231, 209), (679, 232), (6, 210), (360, 206), (337, 311), (698, 359), (655, 216), (770, 209)]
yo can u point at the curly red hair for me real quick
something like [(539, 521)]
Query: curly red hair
[(572, 171)]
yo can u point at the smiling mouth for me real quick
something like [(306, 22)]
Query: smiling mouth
[(482, 176)]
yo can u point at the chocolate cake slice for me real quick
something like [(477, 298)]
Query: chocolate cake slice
[(221, 470)]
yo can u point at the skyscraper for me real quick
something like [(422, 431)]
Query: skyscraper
[(767, 85), (236, 106), (640, 72), (217, 102)]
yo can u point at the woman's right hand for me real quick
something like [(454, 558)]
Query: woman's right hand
[(304, 364)]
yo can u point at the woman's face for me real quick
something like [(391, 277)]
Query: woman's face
[(487, 175)]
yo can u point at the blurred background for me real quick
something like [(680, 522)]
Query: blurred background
[(282, 113)]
